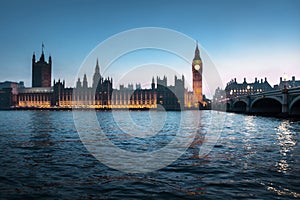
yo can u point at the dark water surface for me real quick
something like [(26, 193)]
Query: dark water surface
[(42, 157)]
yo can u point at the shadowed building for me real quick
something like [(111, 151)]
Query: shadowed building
[(287, 83), (9, 93), (101, 95), (41, 71), (97, 96), (170, 97), (234, 89)]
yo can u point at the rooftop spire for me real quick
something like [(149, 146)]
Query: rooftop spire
[(84, 82), (97, 69), (42, 58), (33, 56), (97, 77), (197, 52)]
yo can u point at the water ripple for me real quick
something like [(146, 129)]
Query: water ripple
[(42, 156)]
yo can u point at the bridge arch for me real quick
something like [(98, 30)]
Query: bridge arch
[(240, 106), (294, 107), (266, 105), (269, 97)]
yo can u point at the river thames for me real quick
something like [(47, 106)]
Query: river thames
[(43, 157)]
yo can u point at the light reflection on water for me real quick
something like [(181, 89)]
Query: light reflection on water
[(286, 140), (43, 157)]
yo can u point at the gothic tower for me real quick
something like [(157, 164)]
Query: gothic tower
[(97, 80), (84, 82), (197, 69), (41, 71)]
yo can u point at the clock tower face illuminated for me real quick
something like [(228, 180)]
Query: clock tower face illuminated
[(197, 67)]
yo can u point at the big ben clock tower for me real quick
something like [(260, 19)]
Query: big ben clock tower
[(197, 78)]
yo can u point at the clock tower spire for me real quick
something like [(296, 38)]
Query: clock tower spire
[(197, 68)]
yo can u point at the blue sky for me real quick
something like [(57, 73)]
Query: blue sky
[(243, 38)]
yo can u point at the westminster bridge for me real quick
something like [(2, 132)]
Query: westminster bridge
[(283, 102)]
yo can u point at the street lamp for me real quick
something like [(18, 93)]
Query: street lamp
[(248, 89), (284, 79)]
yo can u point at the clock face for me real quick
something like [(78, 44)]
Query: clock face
[(197, 67)]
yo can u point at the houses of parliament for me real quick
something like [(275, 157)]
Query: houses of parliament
[(101, 94)]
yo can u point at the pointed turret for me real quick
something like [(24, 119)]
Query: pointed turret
[(84, 82), (97, 69), (97, 76), (153, 83), (33, 57), (42, 58), (78, 84)]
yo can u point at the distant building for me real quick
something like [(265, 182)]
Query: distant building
[(219, 94), (170, 97), (234, 89), (9, 93), (287, 83), (13, 85), (101, 95), (41, 71), (130, 98), (35, 97)]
